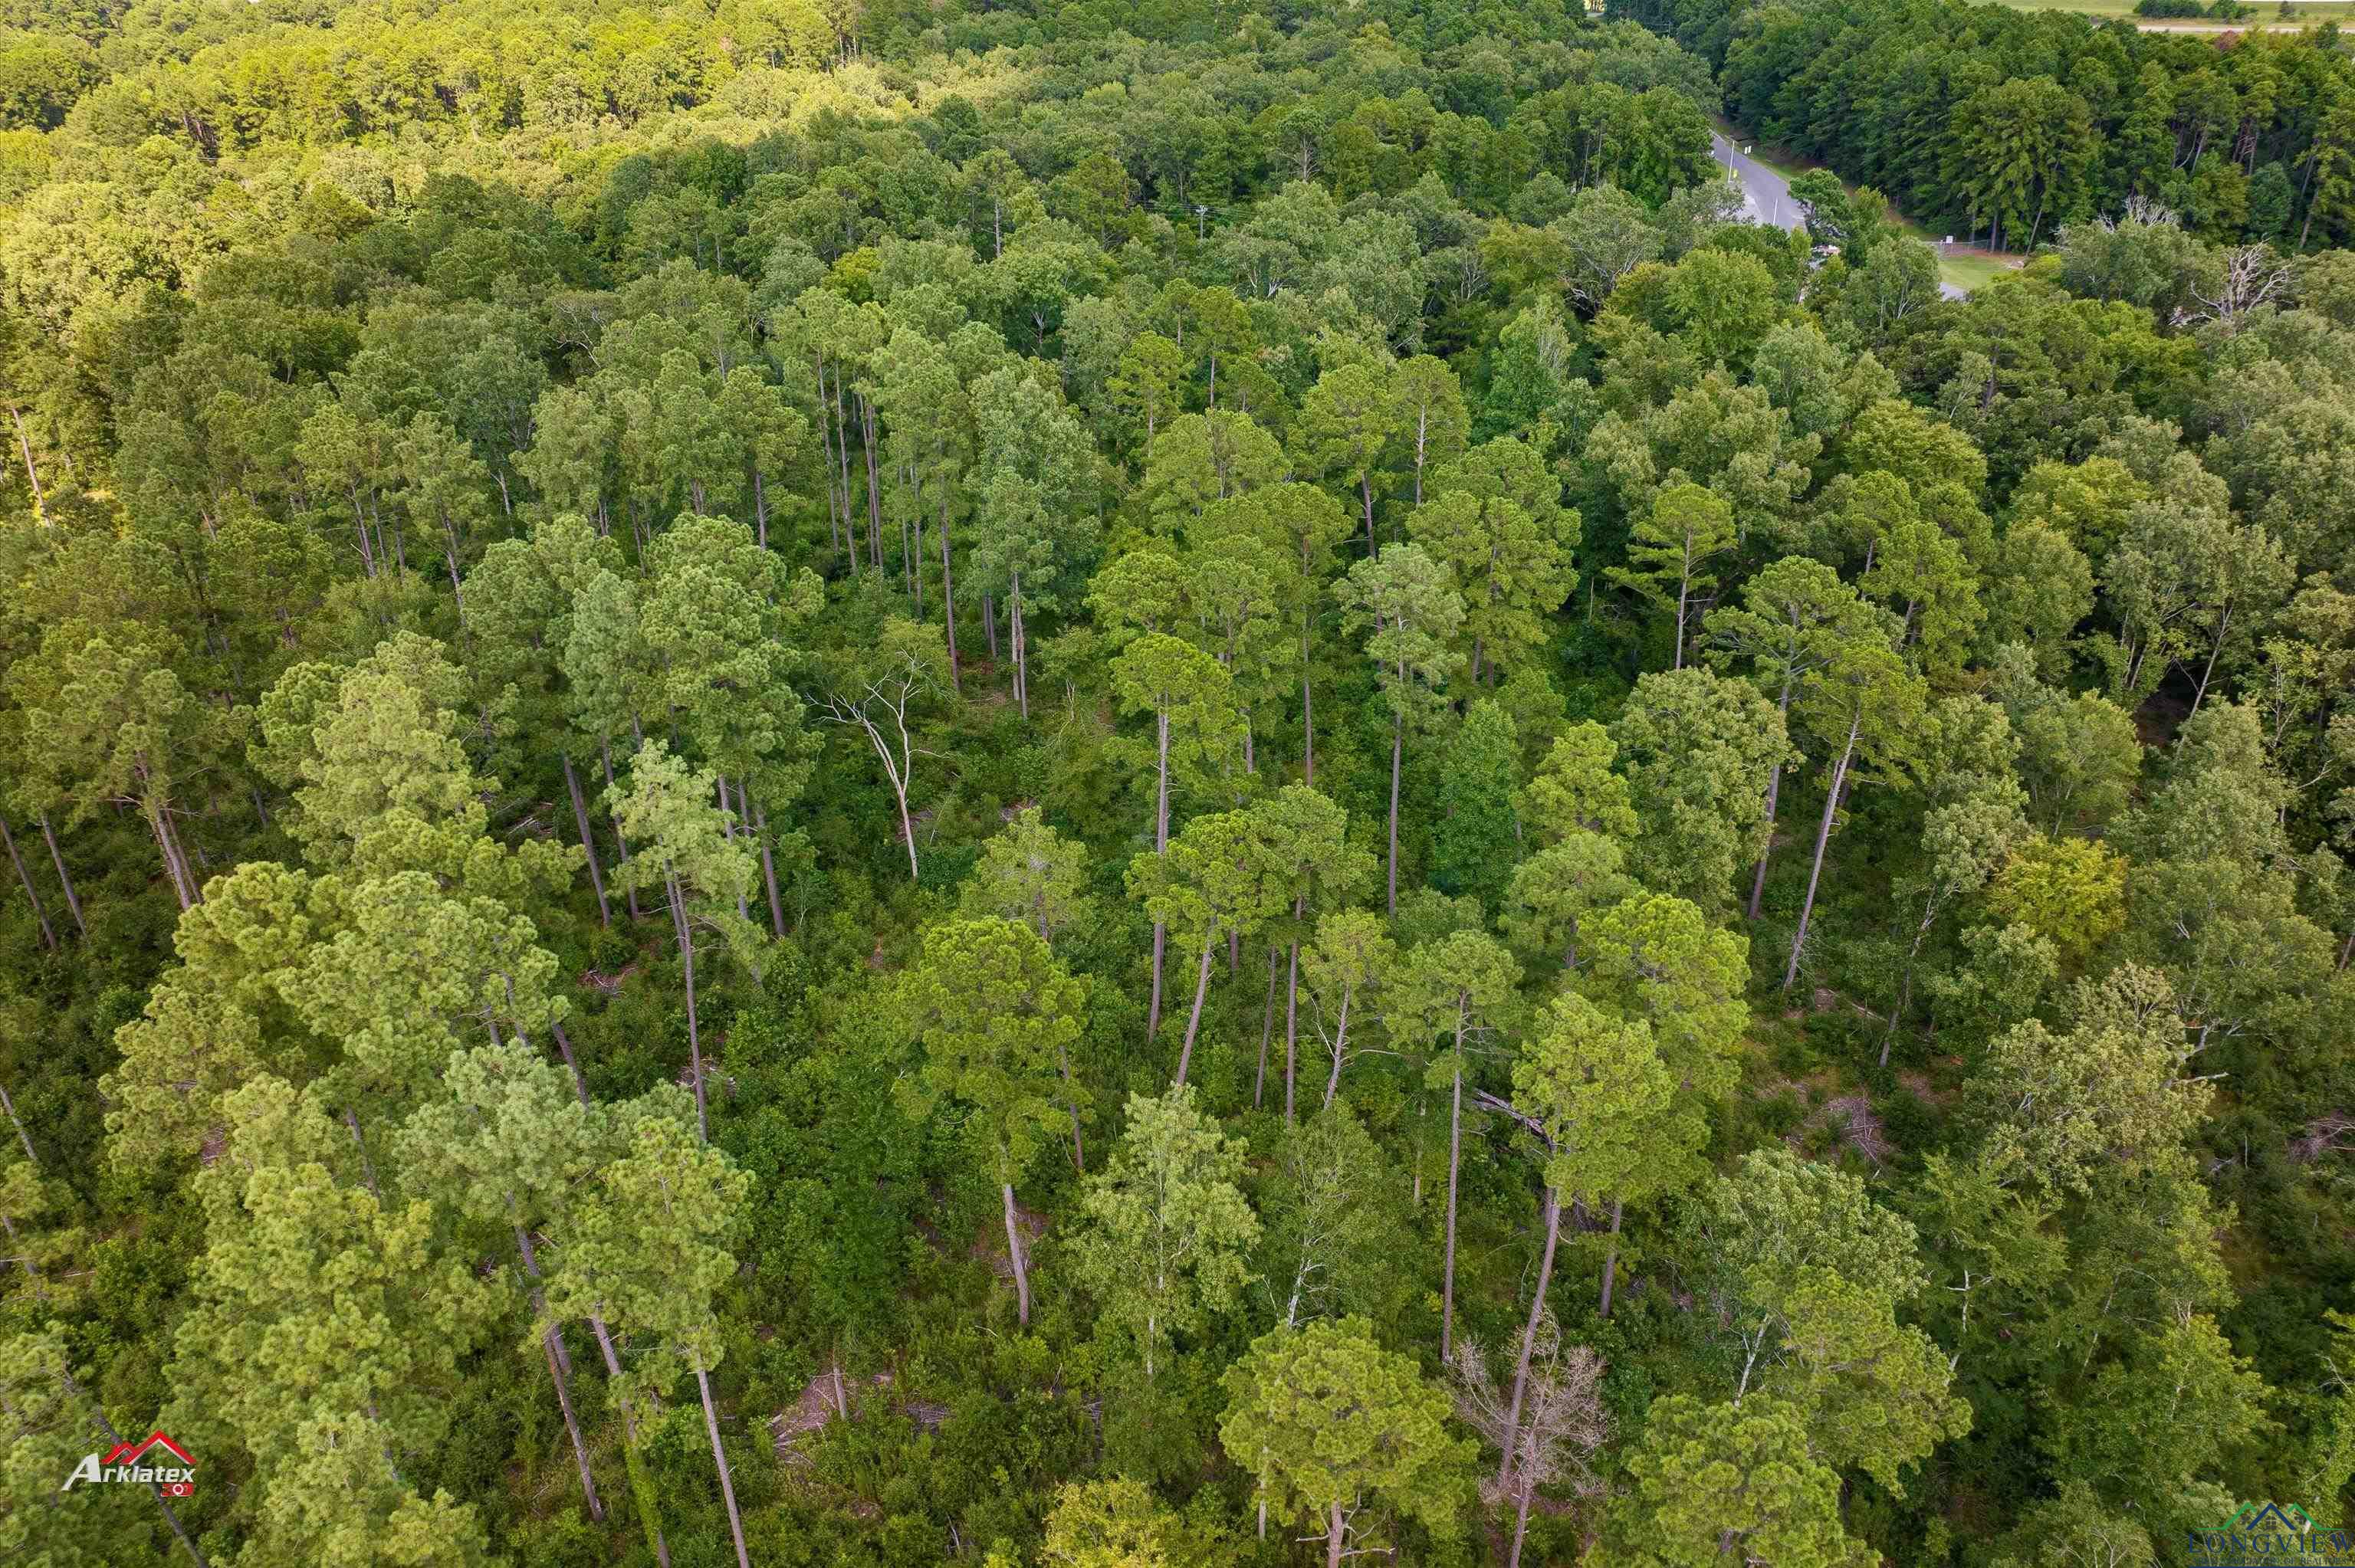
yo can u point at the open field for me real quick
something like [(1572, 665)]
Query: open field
[(2264, 17)]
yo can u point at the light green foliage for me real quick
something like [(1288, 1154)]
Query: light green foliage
[(410, 974), (1327, 1421), (193, 1047), (2079, 756), (2037, 591), (1656, 958), (1189, 692), (1671, 553), (647, 1244), (111, 721), (2113, 1086), (447, 448), (1696, 751), (991, 1008), (1218, 878), (1598, 1086), (2071, 892), (713, 617), (1409, 609), (323, 1314), (1559, 886), (671, 810), (1206, 456), (52, 1423), (1873, 1393), (31, 1211), (1166, 1227), (1344, 970), (1709, 1476), (1460, 988), (2154, 1422), (1984, 1236), (1575, 791), (1785, 623), (383, 782), (509, 1144), (1347, 425), (1113, 1524), (1777, 1215), (1337, 1221), (1495, 517), (2074, 1529), (1031, 873), (1303, 843)]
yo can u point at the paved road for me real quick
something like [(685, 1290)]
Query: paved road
[(1766, 197)]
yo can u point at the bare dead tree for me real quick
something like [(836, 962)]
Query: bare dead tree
[(1562, 1420), (2246, 276), (879, 707)]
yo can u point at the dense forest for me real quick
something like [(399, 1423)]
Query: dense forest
[(1171, 785)]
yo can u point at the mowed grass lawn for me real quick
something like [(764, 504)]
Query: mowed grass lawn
[(1970, 270)]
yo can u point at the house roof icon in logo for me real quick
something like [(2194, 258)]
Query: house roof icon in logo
[(130, 1452), (2285, 1517)]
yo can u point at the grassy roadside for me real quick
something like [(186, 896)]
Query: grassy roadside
[(1965, 268)]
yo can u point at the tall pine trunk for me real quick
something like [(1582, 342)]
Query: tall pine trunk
[(1160, 847), (719, 1458), (564, 1045), (1014, 1256), (64, 877), (768, 865), (729, 820), (621, 843), (588, 845), (874, 488), (176, 866), (560, 1368), (1529, 1336), (1823, 837), (1266, 1032), (1291, 1014), (1020, 645), (948, 595), (1611, 1262), (1194, 1018), (1333, 1080), (1766, 850), (1398, 747), (1454, 1165), (642, 1490), (49, 937), (21, 1136), (1684, 591), (694, 1031)]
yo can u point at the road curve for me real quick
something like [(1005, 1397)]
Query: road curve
[(1766, 197)]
